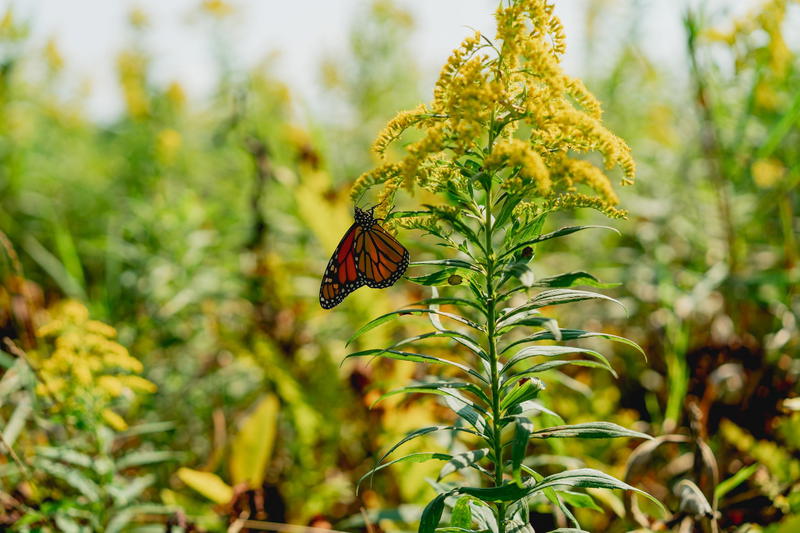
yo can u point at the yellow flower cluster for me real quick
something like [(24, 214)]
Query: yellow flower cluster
[(746, 41), (85, 369), (508, 105), (132, 71)]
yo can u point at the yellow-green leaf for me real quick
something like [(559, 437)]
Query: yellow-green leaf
[(208, 484), (252, 446)]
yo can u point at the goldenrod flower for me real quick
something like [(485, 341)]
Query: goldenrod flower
[(86, 368), (507, 105)]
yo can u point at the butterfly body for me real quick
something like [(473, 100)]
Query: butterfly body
[(366, 255)]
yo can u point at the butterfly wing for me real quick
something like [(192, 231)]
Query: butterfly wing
[(380, 258), (341, 276)]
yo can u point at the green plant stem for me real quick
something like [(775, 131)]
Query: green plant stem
[(491, 309)]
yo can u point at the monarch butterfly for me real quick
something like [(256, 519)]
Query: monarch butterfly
[(366, 255)]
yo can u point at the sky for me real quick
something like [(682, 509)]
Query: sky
[(90, 33)]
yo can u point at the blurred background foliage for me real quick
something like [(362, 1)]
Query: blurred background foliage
[(167, 364)]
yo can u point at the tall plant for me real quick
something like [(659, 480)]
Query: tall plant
[(499, 150)]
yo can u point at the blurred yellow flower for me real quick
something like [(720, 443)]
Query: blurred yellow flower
[(767, 172), (83, 368), (132, 72), (55, 61), (138, 18), (176, 95), (168, 144), (217, 8)]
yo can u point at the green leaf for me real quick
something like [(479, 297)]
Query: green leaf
[(128, 493), (522, 431), (458, 263), (528, 390), (441, 388), (70, 476), (589, 430), (579, 499), (252, 446), (558, 297), (509, 492), (468, 341), (388, 317), (146, 429), (588, 478), (415, 358), (469, 414), (432, 514), (573, 279), (461, 517), (461, 461), (572, 334), (418, 457), (208, 484), (146, 457), (551, 351), (419, 433), (550, 365), (528, 408), (555, 234), (450, 301), (438, 278), (742, 475), (65, 455)]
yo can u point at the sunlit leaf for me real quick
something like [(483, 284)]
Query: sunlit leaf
[(207, 484), (252, 446)]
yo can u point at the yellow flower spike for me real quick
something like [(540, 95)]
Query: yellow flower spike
[(138, 384), (400, 123)]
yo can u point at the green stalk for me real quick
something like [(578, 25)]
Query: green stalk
[(492, 350)]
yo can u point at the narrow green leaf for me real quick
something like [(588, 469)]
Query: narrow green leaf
[(579, 499), (558, 233), (450, 301), (146, 457), (469, 414), (551, 351), (442, 388), (388, 317), (589, 430), (415, 358), (438, 278), (573, 334), (573, 279), (432, 514), (588, 478), (448, 262), (735, 480), (461, 461), (468, 341), (528, 408), (419, 433), (66, 455), (522, 431), (508, 492), (71, 476), (549, 365), (419, 457)]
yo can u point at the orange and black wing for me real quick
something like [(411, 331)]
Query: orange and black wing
[(341, 277), (381, 260)]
